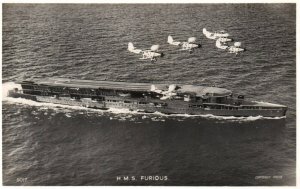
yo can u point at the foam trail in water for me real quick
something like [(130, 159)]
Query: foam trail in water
[(11, 85)]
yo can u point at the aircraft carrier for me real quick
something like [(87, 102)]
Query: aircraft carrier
[(145, 97)]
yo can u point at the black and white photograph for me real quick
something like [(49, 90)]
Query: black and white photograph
[(149, 94)]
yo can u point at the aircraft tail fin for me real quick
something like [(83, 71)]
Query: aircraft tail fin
[(130, 46), (153, 88), (171, 88), (132, 49), (237, 44), (192, 39), (154, 47), (170, 39), (172, 42)]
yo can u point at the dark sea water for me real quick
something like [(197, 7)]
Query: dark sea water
[(60, 145)]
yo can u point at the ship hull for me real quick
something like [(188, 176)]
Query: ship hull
[(172, 108)]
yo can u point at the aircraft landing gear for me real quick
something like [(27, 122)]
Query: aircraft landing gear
[(153, 60)]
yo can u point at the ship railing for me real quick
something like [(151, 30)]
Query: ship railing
[(241, 107), (218, 104)]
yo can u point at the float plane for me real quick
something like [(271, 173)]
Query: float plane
[(190, 45), (236, 48), (165, 94), (151, 54)]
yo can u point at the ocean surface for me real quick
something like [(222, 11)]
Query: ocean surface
[(48, 144)]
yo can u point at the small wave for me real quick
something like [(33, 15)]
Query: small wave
[(16, 151)]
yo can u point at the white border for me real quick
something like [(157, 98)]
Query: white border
[(171, 2), (149, 1)]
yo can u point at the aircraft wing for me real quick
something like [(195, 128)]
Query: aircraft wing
[(165, 97), (176, 43), (136, 51)]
